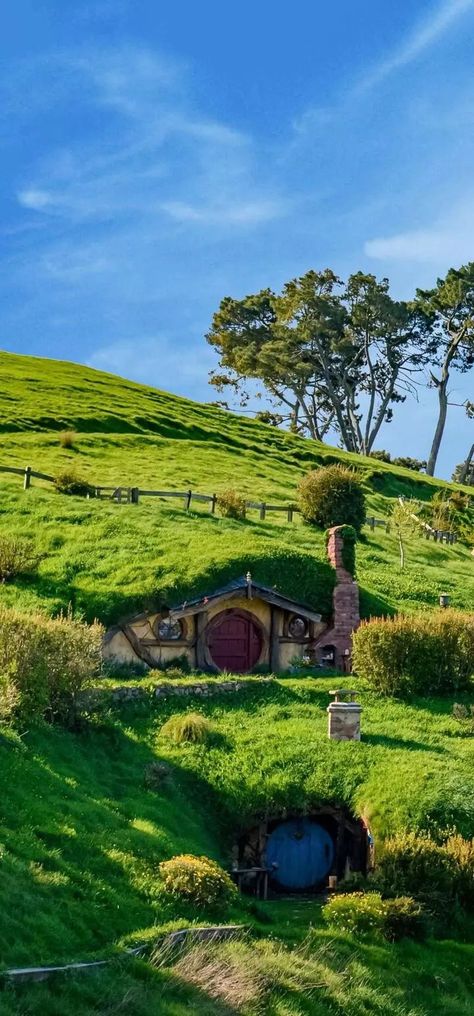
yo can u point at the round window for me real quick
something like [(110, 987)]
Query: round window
[(169, 630), (298, 627)]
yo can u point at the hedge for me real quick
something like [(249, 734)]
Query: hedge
[(420, 654), (44, 662)]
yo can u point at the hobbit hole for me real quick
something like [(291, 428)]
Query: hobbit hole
[(301, 854), (245, 625)]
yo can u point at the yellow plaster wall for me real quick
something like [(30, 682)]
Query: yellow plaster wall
[(119, 648)]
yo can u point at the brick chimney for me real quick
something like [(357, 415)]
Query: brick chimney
[(346, 616)]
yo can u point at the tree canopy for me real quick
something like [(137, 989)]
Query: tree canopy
[(335, 355)]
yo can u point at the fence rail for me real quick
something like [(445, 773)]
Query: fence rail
[(133, 495)]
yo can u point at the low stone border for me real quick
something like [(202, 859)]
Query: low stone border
[(218, 933), (168, 689)]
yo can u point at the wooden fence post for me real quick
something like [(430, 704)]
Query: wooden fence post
[(212, 504), (27, 478), (262, 511), (187, 499), (134, 495), (290, 515), (372, 523)]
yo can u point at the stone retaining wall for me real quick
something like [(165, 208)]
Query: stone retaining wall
[(93, 697)]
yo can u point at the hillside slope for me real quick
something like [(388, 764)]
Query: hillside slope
[(107, 560), (82, 837)]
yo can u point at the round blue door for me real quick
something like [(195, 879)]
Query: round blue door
[(301, 852)]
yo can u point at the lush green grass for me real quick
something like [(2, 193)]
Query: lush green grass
[(108, 560), (328, 975), (82, 838)]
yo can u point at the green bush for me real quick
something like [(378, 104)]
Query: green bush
[(188, 727), (69, 482), (231, 505), (381, 455), (438, 874), (47, 661), (417, 654), (17, 557), (198, 881), (460, 854), (408, 463), (332, 496), (9, 698), (368, 913)]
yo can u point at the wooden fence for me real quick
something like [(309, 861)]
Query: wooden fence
[(133, 495)]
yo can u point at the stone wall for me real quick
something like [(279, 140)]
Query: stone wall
[(122, 694)]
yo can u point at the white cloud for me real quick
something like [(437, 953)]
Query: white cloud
[(448, 241), (247, 213), (423, 36), (166, 159), (35, 199)]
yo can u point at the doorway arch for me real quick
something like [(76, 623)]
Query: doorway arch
[(235, 641)]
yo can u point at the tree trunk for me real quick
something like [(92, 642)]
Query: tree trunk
[(402, 550), (441, 423), (465, 469)]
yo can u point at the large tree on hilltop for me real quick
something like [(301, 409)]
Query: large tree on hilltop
[(448, 309), (337, 357)]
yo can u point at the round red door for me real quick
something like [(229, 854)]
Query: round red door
[(235, 641)]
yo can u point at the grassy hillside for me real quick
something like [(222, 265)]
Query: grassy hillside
[(82, 839), (108, 560), (81, 836)]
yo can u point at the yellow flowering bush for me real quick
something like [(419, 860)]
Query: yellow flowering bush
[(198, 881), (369, 913)]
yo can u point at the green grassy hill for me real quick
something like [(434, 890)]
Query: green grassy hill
[(108, 560), (82, 838)]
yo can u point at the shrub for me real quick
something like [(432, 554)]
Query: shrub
[(369, 913), (231, 505), (460, 854), (48, 661), (465, 717), (408, 463), (198, 881), (438, 874), (188, 727), (420, 654), (69, 483), (9, 698), (381, 455), (179, 664), (67, 438), (17, 557), (332, 496)]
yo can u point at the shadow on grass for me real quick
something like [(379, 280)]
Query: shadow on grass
[(400, 742)]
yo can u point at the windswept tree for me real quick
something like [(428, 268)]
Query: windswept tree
[(449, 315), (464, 473), (334, 357)]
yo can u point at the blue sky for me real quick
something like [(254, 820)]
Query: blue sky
[(158, 156)]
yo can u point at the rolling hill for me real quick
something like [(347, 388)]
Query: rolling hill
[(107, 560), (82, 833)]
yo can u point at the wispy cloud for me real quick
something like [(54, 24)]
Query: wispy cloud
[(446, 242), (164, 158), (423, 36)]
